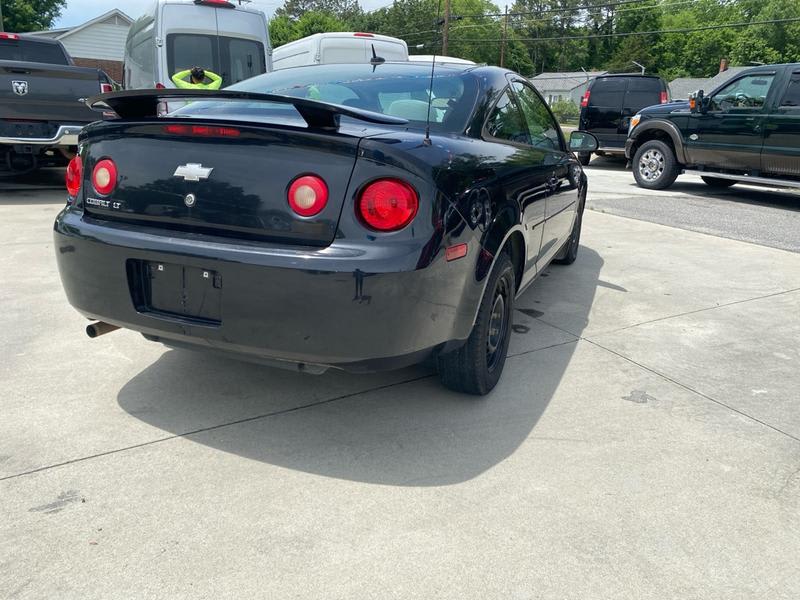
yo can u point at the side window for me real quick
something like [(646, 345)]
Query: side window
[(506, 122), (791, 98), (745, 94), (542, 128)]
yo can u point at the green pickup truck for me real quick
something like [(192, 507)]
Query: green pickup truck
[(746, 131)]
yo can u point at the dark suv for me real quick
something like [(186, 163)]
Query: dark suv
[(746, 130), (609, 103)]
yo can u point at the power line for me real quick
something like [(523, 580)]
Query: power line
[(629, 33), (559, 10)]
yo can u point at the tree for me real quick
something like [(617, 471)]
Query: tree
[(22, 16)]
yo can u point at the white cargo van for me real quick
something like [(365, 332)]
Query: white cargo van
[(218, 35), (338, 47)]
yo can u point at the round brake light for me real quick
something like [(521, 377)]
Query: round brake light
[(387, 204), (308, 195), (74, 175), (104, 176)]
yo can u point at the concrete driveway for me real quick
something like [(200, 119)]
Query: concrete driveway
[(644, 443)]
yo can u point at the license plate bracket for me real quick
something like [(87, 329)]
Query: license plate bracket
[(175, 290)]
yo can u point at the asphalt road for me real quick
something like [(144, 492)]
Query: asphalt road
[(643, 443), (753, 214)]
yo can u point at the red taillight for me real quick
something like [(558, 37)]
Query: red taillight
[(664, 98), (387, 204), (308, 195), (585, 99), (74, 176), (360, 34), (202, 130), (106, 88), (160, 86), (8, 36), (104, 176)]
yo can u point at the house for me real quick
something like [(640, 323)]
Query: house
[(564, 86), (97, 43), (680, 88)]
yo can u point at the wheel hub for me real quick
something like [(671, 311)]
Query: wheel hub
[(497, 329), (651, 165)]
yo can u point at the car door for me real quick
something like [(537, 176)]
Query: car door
[(560, 166), (781, 151), (729, 134), (522, 171)]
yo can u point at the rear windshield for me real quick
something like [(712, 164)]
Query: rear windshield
[(391, 89), (607, 91), (234, 59), (28, 51), (643, 91)]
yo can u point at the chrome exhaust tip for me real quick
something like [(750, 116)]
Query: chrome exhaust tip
[(100, 328)]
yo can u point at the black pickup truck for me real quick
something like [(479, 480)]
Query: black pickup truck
[(747, 130), (42, 107)]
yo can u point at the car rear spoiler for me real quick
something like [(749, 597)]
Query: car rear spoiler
[(143, 104)]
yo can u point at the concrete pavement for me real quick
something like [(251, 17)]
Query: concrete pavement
[(644, 443)]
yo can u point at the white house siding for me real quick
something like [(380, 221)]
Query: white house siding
[(101, 41)]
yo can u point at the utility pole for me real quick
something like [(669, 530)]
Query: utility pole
[(503, 44), (445, 26), (1, 16)]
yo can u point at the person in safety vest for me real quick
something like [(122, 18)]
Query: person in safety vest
[(197, 77)]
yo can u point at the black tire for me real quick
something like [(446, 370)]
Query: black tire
[(476, 367), (569, 252), (655, 166), (718, 182), (584, 159)]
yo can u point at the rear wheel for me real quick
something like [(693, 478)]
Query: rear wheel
[(475, 367), (584, 159), (718, 182), (655, 166)]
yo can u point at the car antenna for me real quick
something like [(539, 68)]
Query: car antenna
[(376, 60), (427, 140)]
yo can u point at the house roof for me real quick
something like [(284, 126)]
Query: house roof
[(565, 81), (681, 87), (64, 32)]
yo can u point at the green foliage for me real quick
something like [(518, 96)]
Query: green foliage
[(565, 110), (476, 32), (22, 16)]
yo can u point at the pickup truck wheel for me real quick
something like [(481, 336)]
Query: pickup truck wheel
[(718, 182), (475, 367), (584, 159), (655, 166)]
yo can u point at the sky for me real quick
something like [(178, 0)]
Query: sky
[(80, 11)]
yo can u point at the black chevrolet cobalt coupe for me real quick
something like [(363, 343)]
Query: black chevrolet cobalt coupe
[(358, 217)]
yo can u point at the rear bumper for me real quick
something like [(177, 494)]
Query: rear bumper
[(66, 135), (349, 307)]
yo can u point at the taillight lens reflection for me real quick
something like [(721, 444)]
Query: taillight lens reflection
[(104, 176), (387, 204), (201, 130), (74, 175)]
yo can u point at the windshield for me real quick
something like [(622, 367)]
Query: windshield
[(28, 51), (400, 90)]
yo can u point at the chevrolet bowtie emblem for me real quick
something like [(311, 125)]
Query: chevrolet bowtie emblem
[(193, 172)]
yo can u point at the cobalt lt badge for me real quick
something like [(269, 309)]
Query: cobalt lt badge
[(189, 200), (20, 87)]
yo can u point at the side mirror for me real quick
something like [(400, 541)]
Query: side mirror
[(583, 142), (698, 102)]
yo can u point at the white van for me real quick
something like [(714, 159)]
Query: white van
[(218, 35), (338, 47)]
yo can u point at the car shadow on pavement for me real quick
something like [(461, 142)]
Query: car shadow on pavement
[(400, 428)]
